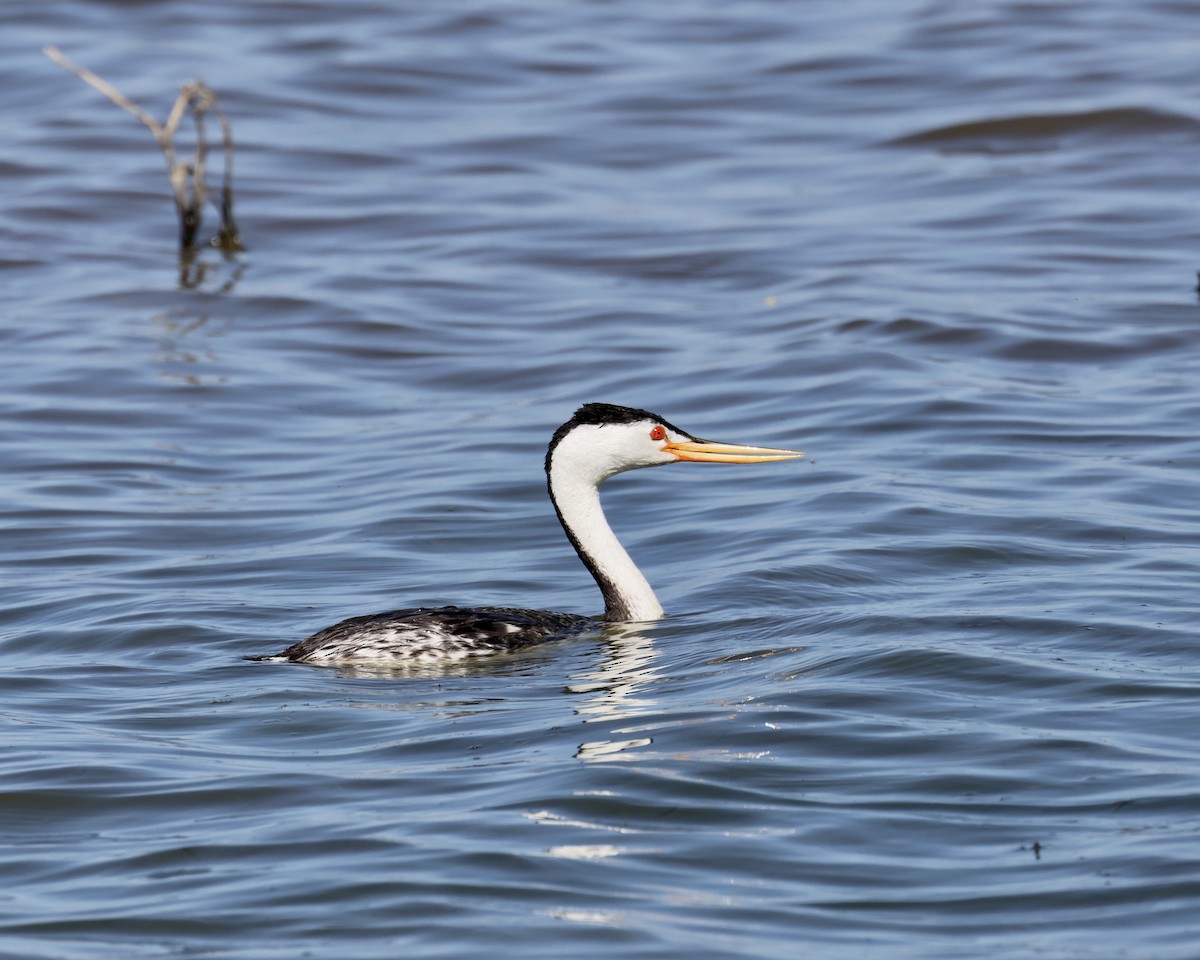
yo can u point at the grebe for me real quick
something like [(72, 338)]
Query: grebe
[(600, 440)]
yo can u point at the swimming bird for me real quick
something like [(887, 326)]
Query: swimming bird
[(599, 441)]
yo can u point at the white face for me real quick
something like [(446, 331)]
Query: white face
[(592, 453), (599, 452)]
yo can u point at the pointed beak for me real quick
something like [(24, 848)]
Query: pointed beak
[(698, 450)]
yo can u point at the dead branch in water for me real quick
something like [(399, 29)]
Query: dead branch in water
[(187, 177)]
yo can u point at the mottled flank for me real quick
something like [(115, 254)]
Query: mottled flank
[(432, 634)]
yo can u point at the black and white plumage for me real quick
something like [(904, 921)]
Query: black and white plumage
[(599, 441)]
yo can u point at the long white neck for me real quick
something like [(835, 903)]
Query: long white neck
[(576, 496)]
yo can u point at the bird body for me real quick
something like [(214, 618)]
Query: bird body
[(433, 634), (599, 441)]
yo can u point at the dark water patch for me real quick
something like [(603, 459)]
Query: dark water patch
[(1090, 351), (1031, 132)]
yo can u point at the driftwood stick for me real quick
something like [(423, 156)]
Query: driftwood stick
[(199, 103), (229, 240), (187, 179)]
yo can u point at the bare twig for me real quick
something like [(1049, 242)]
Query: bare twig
[(187, 179), (229, 240), (106, 88)]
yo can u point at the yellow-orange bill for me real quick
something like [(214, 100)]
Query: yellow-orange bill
[(704, 450)]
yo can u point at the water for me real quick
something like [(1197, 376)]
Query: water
[(931, 693)]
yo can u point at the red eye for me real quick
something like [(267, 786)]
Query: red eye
[(658, 433)]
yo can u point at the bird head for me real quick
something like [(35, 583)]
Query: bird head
[(603, 439)]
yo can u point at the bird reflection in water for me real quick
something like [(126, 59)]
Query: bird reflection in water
[(618, 688)]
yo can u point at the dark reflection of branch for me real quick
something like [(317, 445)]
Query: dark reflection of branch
[(182, 354), (193, 272), (187, 177)]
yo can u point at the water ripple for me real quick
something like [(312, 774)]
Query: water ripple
[(934, 684)]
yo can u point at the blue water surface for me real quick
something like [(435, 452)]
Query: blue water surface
[(930, 693)]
